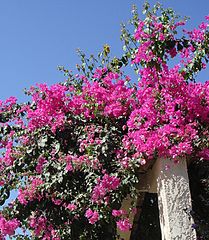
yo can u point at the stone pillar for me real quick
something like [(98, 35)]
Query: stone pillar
[(174, 200)]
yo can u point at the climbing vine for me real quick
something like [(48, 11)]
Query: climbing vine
[(74, 152)]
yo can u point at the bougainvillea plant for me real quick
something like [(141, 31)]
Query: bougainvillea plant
[(73, 153)]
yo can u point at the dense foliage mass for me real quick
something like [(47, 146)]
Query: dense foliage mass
[(74, 151)]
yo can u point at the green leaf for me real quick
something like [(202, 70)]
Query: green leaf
[(42, 141)]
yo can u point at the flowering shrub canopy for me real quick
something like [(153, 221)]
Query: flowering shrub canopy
[(75, 150)]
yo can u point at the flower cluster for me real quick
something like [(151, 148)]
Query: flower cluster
[(104, 186), (8, 227), (170, 114)]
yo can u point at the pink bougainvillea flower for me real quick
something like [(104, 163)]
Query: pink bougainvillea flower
[(118, 213), (93, 216), (124, 225)]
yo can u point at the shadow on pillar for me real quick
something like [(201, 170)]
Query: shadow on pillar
[(148, 226), (199, 187)]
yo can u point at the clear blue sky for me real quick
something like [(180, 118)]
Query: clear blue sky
[(38, 35)]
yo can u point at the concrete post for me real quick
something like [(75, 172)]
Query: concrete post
[(174, 200)]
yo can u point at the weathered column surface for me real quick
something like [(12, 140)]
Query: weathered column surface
[(174, 199), (170, 181)]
